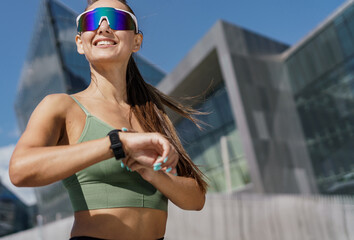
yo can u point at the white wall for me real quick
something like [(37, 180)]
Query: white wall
[(243, 217)]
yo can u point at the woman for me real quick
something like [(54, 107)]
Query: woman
[(118, 180)]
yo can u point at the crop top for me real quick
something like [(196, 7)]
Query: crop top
[(106, 184)]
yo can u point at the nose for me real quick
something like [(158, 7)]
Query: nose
[(104, 26)]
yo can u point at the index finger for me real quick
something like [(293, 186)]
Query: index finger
[(164, 148)]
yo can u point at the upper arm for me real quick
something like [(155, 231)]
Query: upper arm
[(46, 123)]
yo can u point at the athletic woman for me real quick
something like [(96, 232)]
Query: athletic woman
[(112, 144)]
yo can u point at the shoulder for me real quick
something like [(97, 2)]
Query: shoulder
[(57, 98), (56, 104)]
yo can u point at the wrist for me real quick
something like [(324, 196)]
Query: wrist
[(107, 143), (116, 144), (123, 139), (155, 176)]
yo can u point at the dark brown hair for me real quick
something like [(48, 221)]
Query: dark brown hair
[(147, 103)]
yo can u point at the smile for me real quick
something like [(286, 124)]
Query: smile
[(104, 42)]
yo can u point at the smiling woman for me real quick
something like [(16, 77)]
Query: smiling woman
[(112, 144)]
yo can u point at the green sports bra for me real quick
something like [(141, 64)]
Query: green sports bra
[(106, 184)]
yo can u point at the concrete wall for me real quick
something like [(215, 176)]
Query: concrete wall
[(272, 217), (244, 217)]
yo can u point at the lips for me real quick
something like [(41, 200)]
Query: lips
[(104, 42)]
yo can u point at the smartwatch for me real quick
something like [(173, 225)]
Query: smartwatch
[(116, 144)]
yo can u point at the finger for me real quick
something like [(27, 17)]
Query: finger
[(170, 170), (129, 160), (123, 161), (157, 165), (175, 162), (130, 163), (163, 145), (129, 130), (137, 166), (122, 165), (172, 159)]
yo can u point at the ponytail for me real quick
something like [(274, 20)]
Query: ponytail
[(147, 103)]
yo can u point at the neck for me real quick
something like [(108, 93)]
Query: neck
[(109, 82)]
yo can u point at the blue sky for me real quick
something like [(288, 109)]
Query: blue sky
[(171, 28)]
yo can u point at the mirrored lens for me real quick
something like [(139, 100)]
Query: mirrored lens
[(118, 20)]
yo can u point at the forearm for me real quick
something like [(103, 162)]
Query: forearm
[(182, 191), (38, 166)]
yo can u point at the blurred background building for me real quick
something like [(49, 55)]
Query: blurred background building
[(287, 112), (281, 117), (14, 214)]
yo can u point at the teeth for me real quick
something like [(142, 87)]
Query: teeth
[(105, 43)]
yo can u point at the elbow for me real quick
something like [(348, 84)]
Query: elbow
[(196, 205), (20, 180), (200, 204), (16, 177)]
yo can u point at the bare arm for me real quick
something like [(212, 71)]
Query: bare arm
[(184, 192), (37, 161)]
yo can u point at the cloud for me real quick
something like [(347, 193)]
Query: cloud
[(25, 194)]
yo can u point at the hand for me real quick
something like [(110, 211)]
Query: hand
[(145, 172), (148, 173), (149, 149)]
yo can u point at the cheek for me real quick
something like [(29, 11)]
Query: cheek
[(126, 38), (86, 39)]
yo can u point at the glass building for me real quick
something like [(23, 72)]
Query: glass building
[(248, 145), (54, 66), (286, 112), (204, 147), (15, 216), (321, 73)]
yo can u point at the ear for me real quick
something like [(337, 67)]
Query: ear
[(79, 46), (138, 39)]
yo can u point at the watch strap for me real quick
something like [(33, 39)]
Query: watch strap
[(116, 144)]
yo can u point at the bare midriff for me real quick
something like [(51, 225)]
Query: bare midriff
[(120, 223)]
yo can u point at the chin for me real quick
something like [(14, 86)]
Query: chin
[(107, 60)]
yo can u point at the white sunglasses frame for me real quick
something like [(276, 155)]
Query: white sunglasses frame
[(105, 17)]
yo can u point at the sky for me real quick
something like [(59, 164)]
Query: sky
[(171, 28)]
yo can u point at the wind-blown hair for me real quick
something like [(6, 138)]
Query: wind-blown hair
[(147, 103)]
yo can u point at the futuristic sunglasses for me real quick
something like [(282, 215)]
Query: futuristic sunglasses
[(117, 19)]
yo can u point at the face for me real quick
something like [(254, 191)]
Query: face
[(105, 45)]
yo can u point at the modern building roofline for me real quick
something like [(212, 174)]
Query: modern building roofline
[(62, 5), (319, 27)]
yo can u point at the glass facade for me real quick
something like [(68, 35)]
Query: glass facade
[(321, 73), (204, 146), (50, 67), (54, 66), (15, 216)]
